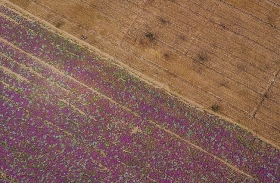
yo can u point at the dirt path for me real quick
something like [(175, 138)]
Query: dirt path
[(134, 130), (208, 59)]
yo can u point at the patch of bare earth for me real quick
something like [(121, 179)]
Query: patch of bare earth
[(222, 55)]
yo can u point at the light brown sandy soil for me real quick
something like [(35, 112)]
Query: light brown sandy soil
[(134, 130), (223, 52)]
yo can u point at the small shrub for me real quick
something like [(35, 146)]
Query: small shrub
[(182, 37), (166, 56), (223, 26), (59, 24), (84, 37), (266, 95), (150, 36), (215, 107), (163, 21), (202, 56)]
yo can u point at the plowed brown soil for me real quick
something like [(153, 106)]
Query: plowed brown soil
[(223, 53)]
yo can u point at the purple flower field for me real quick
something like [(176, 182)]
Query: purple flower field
[(68, 116)]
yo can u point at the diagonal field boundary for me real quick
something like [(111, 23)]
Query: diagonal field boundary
[(123, 107), (120, 105), (132, 71)]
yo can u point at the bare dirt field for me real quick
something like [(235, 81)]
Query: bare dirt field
[(222, 55)]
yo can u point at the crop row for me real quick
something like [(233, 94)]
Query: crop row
[(84, 130), (225, 140)]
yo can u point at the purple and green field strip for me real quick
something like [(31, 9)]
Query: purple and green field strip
[(68, 116)]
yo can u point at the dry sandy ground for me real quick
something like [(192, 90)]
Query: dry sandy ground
[(221, 55)]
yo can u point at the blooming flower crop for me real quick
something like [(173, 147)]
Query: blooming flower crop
[(68, 116)]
